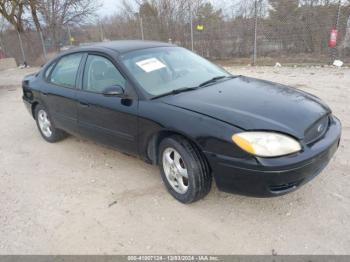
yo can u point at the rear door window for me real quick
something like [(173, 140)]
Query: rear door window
[(65, 71)]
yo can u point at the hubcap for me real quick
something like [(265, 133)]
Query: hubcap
[(44, 123), (175, 170)]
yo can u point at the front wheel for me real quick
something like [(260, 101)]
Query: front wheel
[(184, 171), (46, 127)]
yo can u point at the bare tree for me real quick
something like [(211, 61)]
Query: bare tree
[(33, 6), (293, 29), (13, 11), (57, 14)]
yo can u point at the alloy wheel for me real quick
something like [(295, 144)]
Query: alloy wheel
[(175, 170), (44, 123)]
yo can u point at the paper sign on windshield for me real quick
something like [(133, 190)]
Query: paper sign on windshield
[(150, 64)]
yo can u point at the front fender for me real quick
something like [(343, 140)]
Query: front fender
[(211, 136)]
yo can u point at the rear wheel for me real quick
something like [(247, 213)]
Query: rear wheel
[(46, 127), (184, 170)]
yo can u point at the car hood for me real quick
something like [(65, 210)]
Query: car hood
[(253, 104)]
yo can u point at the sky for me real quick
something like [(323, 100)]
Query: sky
[(109, 7)]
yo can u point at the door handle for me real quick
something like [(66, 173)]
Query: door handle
[(82, 104)]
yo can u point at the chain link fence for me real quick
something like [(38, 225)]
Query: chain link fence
[(296, 33), (303, 35)]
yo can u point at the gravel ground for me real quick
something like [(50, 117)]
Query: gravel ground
[(77, 197)]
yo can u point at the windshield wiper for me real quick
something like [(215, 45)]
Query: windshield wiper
[(176, 91), (213, 80), (186, 89)]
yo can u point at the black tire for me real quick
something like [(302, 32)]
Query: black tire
[(56, 134), (199, 177)]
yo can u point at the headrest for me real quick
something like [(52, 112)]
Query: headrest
[(98, 68)]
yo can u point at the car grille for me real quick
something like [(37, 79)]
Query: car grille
[(317, 130)]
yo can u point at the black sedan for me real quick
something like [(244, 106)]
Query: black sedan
[(177, 110)]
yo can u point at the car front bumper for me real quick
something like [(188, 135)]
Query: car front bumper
[(270, 177)]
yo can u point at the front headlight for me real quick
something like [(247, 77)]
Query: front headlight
[(266, 144)]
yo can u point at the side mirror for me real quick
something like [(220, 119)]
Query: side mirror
[(115, 90)]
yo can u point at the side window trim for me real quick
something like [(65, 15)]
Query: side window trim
[(80, 74), (56, 61), (50, 68)]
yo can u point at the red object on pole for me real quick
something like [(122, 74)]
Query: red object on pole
[(333, 38)]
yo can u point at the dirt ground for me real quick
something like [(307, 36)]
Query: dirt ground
[(77, 197)]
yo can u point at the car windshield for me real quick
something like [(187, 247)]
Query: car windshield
[(162, 70)]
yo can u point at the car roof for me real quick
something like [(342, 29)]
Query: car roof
[(124, 46)]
